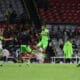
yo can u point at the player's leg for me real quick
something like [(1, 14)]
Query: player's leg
[(39, 44), (22, 51), (29, 50), (42, 55), (41, 58), (38, 54), (22, 48)]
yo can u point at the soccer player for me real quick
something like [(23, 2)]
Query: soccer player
[(68, 50), (25, 48), (43, 43)]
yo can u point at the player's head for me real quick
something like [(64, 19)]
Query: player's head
[(43, 26), (68, 40)]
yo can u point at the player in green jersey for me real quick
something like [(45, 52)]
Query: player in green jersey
[(68, 50), (43, 43)]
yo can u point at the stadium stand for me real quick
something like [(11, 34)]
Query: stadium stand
[(59, 34), (12, 10), (59, 11), (65, 13)]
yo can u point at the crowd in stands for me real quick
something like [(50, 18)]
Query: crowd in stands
[(61, 34)]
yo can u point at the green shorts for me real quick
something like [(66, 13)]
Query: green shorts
[(43, 44), (25, 48)]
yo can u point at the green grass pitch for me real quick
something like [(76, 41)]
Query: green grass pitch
[(39, 72)]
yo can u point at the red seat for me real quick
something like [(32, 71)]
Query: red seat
[(62, 10)]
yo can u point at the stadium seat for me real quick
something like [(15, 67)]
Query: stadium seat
[(13, 5), (66, 11)]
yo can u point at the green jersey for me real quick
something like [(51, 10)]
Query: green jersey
[(68, 50), (45, 37), (25, 48), (44, 34)]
